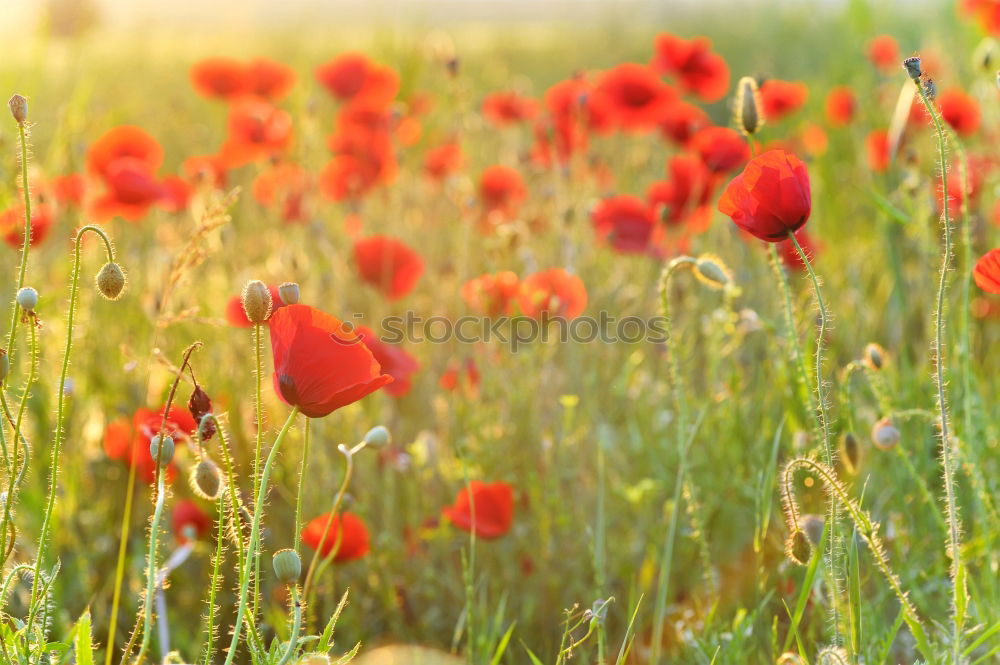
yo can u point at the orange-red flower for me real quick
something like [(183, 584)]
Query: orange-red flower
[(442, 161), (883, 51), (126, 160), (487, 509), (12, 224), (346, 536), (781, 98), (696, 67), (877, 147), (626, 223), (841, 106), (209, 169), (189, 521), (129, 443), (283, 187), (353, 77), (720, 148), (69, 188), (394, 360), (494, 294), (507, 108), (959, 110), (552, 294), (269, 79), (219, 78), (682, 121), (986, 12), (235, 314), (465, 375), (388, 264), (689, 185), (320, 365), (771, 198), (502, 191), (987, 271), (634, 96), (257, 131)]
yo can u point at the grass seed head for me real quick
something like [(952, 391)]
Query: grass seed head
[(18, 106), (111, 281), (257, 301)]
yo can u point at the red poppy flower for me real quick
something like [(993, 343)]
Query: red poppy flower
[(69, 189), (257, 131), (486, 508), (345, 532), (189, 521), (682, 121), (364, 156), (771, 198), (697, 68), (987, 271), (130, 443), (626, 223), (507, 108), (720, 148), (283, 188), (574, 113), (442, 161), (352, 77), (502, 191), (634, 96), (320, 365), (492, 295), (840, 106), (986, 12), (269, 79), (814, 139), (12, 224), (552, 294), (959, 110), (126, 141), (237, 316), (175, 194), (219, 78), (689, 184), (465, 375), (394, 360), (781, 98), (790, 255), (883, 51), (388, 264), (877, 146)]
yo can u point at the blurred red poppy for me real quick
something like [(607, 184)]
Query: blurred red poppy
[(877, 147), (219, 78), (626, 223), (176, 194), (782, 98), (283, 188), (720, 148), (189, 521), (269, 79), (320, 365), (502, 191), (235, 314), (12, 224), (987, 271), (840, 106), (125, 159), (256, 131), (346, 536), (507, 108), (484, 508), (977, 168), (353, 77), (442, 161), (552, 294), (696, 67), (634, 96), (387, 264), (883, 52), (682, 121), (771, 198), (129, 443), (689, 184), (464, 376), (492, 295), (69, 188), (209, 169), (959, 110), (986, 12), (394, 360)]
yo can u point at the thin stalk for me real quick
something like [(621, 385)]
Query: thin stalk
[(151, 566), (302, 481), (26, 247), (257, 449), (296, 627)]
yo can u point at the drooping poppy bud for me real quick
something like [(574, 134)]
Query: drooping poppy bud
[(111, 281)]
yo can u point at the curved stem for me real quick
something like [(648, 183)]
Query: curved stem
[(296, 627)]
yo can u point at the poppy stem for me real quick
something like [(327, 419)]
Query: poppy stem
[(954, 545), (253, 547), (154, 533), (297, 533), (258, 361), (26, 246), (296, 627)]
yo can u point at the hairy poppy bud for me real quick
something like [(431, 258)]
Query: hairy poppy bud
[(850, 452), (27, 298), (875, 357), (206, 426), (930, 87), (797, 548), (4, 365), (748, 105), (18, 106), (166, 454), (885, 436), (711, 271), (289, 293), (206, 480), (256, 301), (378, 437), (912, 67), (287, 566), (111, 281)]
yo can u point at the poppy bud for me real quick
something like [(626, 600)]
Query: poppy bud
[(206, 480), (930, 87), (797, 548), (27, 298), (378, 437), (874, 357), (711, 271), (18, 106), (289, 293), (206, 426), (111, 281), (166, 455), (912, 67), (256, 301), (850, 452), (885, 436), (4, 365), (748, 105), (287, 566)]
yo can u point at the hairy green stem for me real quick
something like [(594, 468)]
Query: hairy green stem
[(296, 627)]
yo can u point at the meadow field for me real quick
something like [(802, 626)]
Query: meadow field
[(501, 334)]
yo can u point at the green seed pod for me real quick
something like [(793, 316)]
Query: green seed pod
[(748, 106), (111, 281), (378, 437), (289, 293), (712, 271), (167, 455), (797, 548), (206, 480), (18, 106), (27, 299), (885, 436), (912, 67), (257, 301), (287, 566)]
